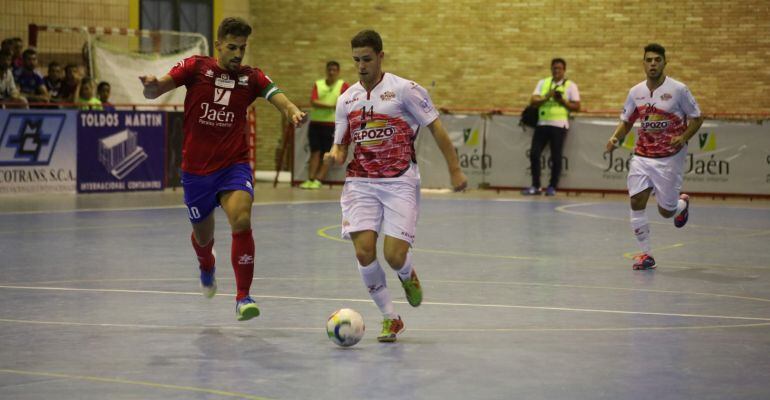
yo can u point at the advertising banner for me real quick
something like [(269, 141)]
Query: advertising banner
[(467, 135), (121, 151), (37, 151)]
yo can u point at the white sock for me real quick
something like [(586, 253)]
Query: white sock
[(406, 271), (375, 281), (680, 206), (641, 229)]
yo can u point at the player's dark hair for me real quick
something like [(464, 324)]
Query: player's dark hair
[(102, 84), (28, 52), (334, 63), (53, 64), (367, 38), (655, 48), (234, 26), (559, 60), (5, 53)]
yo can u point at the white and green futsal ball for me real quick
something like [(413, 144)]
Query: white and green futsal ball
[(345, 327)]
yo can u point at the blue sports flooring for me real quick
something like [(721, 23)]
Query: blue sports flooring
[(524, 298)]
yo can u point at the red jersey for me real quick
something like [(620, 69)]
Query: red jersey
[(215, 131), (663, 113), (383, 126)]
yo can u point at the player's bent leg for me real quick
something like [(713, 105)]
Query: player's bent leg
[(365, 244), (682, 211), (400, 259), (202, 240), (237, 206)]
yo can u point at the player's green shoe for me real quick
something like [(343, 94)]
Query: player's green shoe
[(413, 289), (246, 309), (390, 329)]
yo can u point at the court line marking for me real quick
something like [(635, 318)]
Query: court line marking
[(478, 305), (198, 328), (168, 207), (322, 233), (566, 209), (631, 254), (133, 382), (449, 281)]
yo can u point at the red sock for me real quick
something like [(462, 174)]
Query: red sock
[(205, 255), (243, 262)]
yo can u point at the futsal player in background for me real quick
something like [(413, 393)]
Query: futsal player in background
[(381, 116), (669, 117), (215, 159)]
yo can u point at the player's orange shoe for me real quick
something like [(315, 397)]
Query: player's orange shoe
[(390, 329), (644, 261)]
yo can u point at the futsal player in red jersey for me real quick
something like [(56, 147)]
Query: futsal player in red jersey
[(215, 160)]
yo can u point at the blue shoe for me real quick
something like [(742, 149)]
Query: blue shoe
[(246, 309), (531, 191), (208, 281), (681, 219), (550, 191)]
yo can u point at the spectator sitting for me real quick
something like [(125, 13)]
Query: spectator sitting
[(71, 85), (9, 94), (54, 81), (103, 92), (30, 82), (87, 100), (16, 46)]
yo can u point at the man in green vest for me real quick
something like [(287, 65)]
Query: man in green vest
[(555, 97), (321, 130)]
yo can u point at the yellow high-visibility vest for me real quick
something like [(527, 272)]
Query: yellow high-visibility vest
[(552, 110), (326, 94)]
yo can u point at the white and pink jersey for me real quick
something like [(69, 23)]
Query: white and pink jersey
[(663, 115), (383, 126)]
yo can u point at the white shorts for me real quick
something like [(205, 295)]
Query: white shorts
[(390, 208), (664, 175)]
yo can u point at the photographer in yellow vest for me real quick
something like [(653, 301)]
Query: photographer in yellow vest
[(321, 129), (555, 98)]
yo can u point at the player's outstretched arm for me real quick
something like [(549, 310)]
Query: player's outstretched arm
[(459, 181), (154, 87), (287, 108), (337, 154), (620, 133)]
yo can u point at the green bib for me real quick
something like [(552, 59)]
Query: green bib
[(551, 110), (326, 94)]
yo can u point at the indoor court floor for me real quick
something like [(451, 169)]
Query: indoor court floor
[(525, 298)]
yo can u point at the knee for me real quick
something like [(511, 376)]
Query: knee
[(366, 255), (241, 222), (396, 259), (666, 213)]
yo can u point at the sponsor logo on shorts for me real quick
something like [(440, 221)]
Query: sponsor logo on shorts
[(245, 260), (407, 234)]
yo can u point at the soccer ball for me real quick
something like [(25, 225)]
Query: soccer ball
[(345, 327)]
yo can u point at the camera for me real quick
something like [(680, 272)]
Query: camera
[(557, 95)]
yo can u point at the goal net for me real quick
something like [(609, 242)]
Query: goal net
[(119, 56)]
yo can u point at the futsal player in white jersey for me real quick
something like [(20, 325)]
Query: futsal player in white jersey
[(669, 117), (381, 116)]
